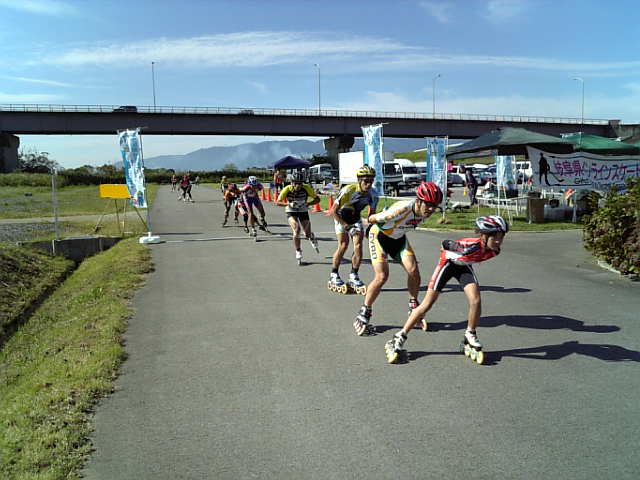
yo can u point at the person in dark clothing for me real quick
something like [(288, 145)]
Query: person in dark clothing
[(543, 165), (472, 184)]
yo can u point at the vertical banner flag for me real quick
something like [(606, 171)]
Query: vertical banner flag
[(505, 173), (373, 155), (437, 163), (133, 165)]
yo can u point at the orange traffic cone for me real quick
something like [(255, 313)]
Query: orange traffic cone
[(329, 211), (330, 202), (269, 196), (316, 207), (263, 196)]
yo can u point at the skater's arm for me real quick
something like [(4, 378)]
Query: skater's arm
[(311, 194), (459, 247), (282, 198)]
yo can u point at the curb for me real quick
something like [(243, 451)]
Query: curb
[(631, 276)]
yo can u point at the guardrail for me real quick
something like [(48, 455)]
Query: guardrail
[(295, 112)]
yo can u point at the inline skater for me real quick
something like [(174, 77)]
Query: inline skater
[(387, 238), (185, 186), (349, 204), (231, 195), (223, 184), (278, 180), (456, 259), (174, 182), (251, 199), (298, 197)]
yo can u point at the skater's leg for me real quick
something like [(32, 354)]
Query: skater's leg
[(381, 272), (295, 228), (343, 244), (356, 258), (306, 227), (419, 312), (472, 291), (413, 275)]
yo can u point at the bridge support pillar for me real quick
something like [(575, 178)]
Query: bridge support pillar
[(8, 152), (628, 133), (336, 145)]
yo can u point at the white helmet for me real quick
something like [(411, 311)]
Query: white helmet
[(491, 224), (252, 180)]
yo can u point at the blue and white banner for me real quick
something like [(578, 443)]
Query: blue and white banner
[(133, 165), (373, 155), (437, 162), (505, 173)]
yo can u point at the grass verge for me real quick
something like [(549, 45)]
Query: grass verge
[(55, 367), (34, 201), (26, 276)]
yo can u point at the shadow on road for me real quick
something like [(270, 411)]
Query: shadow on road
[(456, 288), (543, 322), (607, 353)]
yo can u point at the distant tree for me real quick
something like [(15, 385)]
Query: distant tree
[(106, 170), (33, 161), (230, 166)]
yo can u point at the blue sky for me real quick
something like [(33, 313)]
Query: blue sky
[(494, 56)]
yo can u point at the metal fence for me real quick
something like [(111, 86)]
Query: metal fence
[(295, 112)]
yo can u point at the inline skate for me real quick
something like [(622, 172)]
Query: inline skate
[(356, 285), (393, 348), (471, 347), (263, 225), (299, 257), (314, 243), (226, 218), (335, 284), (362, 324), (413, 304)]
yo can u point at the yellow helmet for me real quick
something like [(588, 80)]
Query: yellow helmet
[(365, 171)]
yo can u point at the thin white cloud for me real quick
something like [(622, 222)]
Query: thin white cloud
[(499, 11), (261, 87), (596, 106), (51, 83), (244, 49), (441, 11), (40, 7), (28, 98), (263, 49)]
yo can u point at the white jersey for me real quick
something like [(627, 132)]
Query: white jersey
[(397, 219)]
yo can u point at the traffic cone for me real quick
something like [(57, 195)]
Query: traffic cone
[(263, 196), (330, 202), (329, 211), (316, 207), (269, 196)]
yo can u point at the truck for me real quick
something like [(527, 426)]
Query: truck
[(349, 162), (410, 176), (322, 173)]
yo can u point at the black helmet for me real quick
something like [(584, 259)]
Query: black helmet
[(297, 177)]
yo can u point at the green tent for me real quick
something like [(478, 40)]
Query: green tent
[(510, 141), (584, 142)]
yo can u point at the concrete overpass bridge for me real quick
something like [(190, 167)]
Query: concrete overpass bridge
[(339, 126)]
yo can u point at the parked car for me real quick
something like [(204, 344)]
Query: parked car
[(323, 172), (126, 109)]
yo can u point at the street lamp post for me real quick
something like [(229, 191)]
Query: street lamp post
[(153, 83), (581, 80), (317, 65), (434, 93)]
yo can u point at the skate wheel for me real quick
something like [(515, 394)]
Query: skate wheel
[(343, 289), (465, 349), (362, 290), (393, 356), (480, 357), (472, 354), (329, 286)]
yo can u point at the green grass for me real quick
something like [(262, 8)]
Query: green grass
[(55, 367), (465, 220), (33, 201), (25, 277)]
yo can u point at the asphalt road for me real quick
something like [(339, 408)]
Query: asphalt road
[(243, 365)]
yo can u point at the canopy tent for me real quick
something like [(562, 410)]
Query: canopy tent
[(584, 142), (291, 162), (510, 141)]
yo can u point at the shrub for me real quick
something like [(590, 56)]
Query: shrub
[(29, 180), (612, 233)]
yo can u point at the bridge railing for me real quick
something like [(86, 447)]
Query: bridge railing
[(294, 112)]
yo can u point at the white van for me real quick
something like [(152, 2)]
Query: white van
[(409, 170), (323, 172)]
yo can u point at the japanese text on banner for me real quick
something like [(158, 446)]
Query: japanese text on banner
[(582, 170), (437, 162)]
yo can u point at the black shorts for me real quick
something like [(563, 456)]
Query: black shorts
[(302, 216), (442, 274)]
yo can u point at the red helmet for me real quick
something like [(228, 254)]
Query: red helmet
[(429, 192)]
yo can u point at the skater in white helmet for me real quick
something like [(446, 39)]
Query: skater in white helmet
[(456, 258)]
